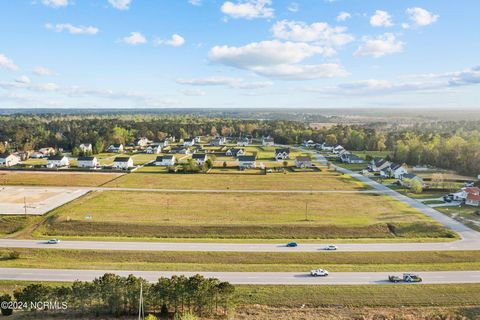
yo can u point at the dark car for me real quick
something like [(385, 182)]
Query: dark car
[(292, 244), (447, 199)]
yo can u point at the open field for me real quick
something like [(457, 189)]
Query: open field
[(465, 214), (61, 179), (325, 180), (239, 215), (242, 262), (11, 224)]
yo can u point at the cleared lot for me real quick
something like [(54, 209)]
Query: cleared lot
[(60, 179), (35, 201)]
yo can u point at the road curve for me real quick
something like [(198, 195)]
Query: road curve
[(256, 278)]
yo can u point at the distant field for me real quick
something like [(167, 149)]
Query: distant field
[(11, 224), (241, 261), (62, 179), (325, 180), (239, 215)]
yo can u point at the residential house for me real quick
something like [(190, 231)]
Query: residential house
[(309, 143), (199, 158), (464, 192), (47, 151), (326, 147), (115, 148), (189, 143), (8, 159), (123, 163), (179, 150), (396, 170), (268, 142), (37, 155), (406, 179), (165, 161), (154, 148), (303, 162), (86, 148), (473, 200), (142, 143), (338, 149), (351, 158), (246, 162), (57, 162), (235, 152), (219, 141), (244, 142), (87, 162), (282, 154), (197, 140), (377, 165)]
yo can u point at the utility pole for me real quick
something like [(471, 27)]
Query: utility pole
[(306, 210), (141, 311), (25, 206)]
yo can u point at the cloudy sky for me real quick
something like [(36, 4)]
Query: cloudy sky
[(239, 53)]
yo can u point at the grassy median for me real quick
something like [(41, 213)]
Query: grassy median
[(241, 261)]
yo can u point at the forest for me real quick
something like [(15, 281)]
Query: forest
[(117, 296), (445, 144)]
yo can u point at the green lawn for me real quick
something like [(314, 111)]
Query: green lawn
[(67, 179), (465, 214), (325, 180), (240, 215), (242, 261)]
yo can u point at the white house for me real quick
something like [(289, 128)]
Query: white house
[(220, 141), (464, 192), (87, 162), (57, 162), (309, 143), (154, 148), (397, 170), (246, 162), (180, 150), (350, 158), (268, 142), (8, 160), (303, 162), (123, 163), (189, 143), (326, 147), (282, 154), (235, 152), (243, 142), (377, 165), (407, 177), (115, 148), (86, 147), (338, 149), (199, 158), (47, 151), (143, 142), (166, 161)]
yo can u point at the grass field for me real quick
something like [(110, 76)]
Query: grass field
[(70, 179), (325, 180), (241, 261), (239, 215), (12, 224), (465, 214)]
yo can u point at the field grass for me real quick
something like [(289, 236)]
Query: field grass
[(360, 296), (61, 179), (240, 215), (325, 180), (12, 224), (241, 261), (374, 154), (465, 214)]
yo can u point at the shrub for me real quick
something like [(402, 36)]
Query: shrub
[(6, 311)]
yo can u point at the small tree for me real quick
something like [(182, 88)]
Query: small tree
[(416, 186), (209, 163), (224, 164), (285, 163), (4, 309), (151, 317), (76, 151)]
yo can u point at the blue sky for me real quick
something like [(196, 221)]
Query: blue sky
[(239, 53)]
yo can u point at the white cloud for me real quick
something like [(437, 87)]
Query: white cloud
[(72, 29), (343, 16), (379, 46), (135, 38), (418, 83), (320, 32), (381, 19), (248, 9), (277, 59), (55, 3), (23, 79), (194, 92), (293, 7), (7, 63), (232, 82), (120, 4), (175, 41), (421, 17), (42, 71), (195, 2)]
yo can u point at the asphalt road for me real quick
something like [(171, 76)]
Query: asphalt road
[(286, 278)]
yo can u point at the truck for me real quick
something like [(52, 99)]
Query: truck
[(407, 277)]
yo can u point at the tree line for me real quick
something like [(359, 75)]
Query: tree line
[(119, 296)]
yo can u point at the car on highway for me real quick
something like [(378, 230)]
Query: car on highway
[(407, 277), (318, 273), (53, 241), (330, 247), (292, 244)]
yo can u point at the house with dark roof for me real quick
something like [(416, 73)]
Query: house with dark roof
[(377, 164), (235, 152), (268, 142), (123, 163), (282, 154), (351, 158), (407, 178), (8, 159), (165, 161), (303, 162), (199, 158), (115, 148), (87, 162), (57, 162), (246, 162)]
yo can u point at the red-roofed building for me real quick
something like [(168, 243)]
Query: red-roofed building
[(473, 200)]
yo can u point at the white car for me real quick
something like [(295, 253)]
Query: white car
[(330, 247), (53, 241), (318, 273)]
